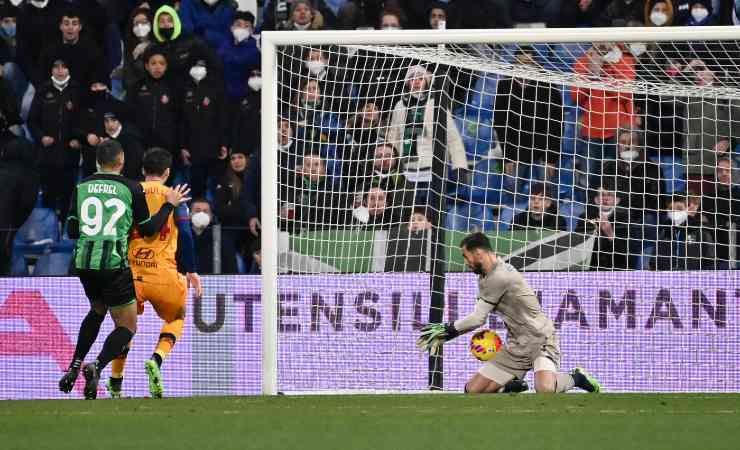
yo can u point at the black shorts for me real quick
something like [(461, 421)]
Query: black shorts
[(109, 287)]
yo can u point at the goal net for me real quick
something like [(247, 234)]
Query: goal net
[(603, 165)]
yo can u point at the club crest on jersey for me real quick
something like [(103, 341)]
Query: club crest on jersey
[(164, 99), (206, 102)]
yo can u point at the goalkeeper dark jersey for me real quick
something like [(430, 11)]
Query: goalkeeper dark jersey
[(105, 207)]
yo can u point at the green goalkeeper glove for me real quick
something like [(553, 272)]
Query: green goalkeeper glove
[(435, 334)]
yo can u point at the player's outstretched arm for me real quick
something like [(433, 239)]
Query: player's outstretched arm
[(434, 334), (149, 226)]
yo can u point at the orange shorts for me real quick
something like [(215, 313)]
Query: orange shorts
[(166, 290)]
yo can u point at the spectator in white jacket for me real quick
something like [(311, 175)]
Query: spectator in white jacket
[(411, 130)]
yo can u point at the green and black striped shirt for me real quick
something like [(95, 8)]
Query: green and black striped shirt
[(104, 208)]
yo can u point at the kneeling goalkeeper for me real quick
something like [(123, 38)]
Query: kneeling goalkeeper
[(531, 339)]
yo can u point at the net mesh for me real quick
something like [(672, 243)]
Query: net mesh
[(604, 156)]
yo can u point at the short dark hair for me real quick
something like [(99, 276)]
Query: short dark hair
[(474, 241), (154, 50), (108, 152), (156, 161)]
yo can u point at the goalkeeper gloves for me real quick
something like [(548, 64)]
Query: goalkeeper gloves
[(435, 334)]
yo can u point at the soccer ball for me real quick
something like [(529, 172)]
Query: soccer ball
[(485, 344)]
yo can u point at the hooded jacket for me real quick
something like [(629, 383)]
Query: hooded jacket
[(183, 50)]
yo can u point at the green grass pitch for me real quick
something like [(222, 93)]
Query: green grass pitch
[(404, 422)]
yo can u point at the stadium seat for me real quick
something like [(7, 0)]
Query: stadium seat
[(467, 217), (674, 173), (57, 261), (571, 211)]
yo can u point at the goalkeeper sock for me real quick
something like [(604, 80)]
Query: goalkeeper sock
[(564, 382)]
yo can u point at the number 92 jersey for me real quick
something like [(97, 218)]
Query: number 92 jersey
[(106, 206)]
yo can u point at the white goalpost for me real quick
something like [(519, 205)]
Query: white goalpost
[(381, 149)]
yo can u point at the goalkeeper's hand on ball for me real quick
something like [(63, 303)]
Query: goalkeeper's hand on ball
[(435, 334)]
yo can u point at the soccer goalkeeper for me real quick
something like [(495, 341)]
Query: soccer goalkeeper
[(531, 339)]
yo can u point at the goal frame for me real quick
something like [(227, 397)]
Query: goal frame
[(271, 40)]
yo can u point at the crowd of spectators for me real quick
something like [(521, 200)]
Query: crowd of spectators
[(356, 139)]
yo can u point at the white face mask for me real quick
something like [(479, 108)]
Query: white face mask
[(629, 155), (658, 18), (637, 48), (361, 214), (255, 83), (61, 84), (210, 2), (142, 30), (240, 33), (614, 55), (40, 4), (198, 72), (315, 67), (200, 219), (699, 14), (678, 217)]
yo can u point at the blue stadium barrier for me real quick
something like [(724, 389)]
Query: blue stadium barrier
[(507, 213), (571, 211), (674, 173), (55, 262)]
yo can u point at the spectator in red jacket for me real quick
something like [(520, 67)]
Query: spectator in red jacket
[(604, 112)]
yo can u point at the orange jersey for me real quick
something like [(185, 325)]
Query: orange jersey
[(150, 255)]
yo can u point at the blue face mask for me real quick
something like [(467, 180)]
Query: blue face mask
[(9, 30)]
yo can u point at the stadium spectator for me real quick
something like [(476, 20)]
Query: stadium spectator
[(240, 56), (381, 167), (130, 140), (460, 13), (694, 13), (297, 15), (202, 128), (317, 130), (604, 111), (528, 120), (10, 118), (722, 207), (637, 179), (383, 207), (325, 67), (309, 198), (138, 38), (659, 13), (411, 131), (619, 13), (202, 219), (11, 71), (154, 103), (182, 49), (365, 124), (542, 211), (228, 202), (81, 54), (96, 103), (209, 19), (18, 195), (684, 237), (37, 29), (391, 18), (711, 123), (251, 201), (581, 13), (53, 123), (437, 13), (612, 222), (245, 133)]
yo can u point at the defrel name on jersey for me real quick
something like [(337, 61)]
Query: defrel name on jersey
[(101, 189)]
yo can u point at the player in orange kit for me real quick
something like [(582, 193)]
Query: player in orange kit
[(153, 262)]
